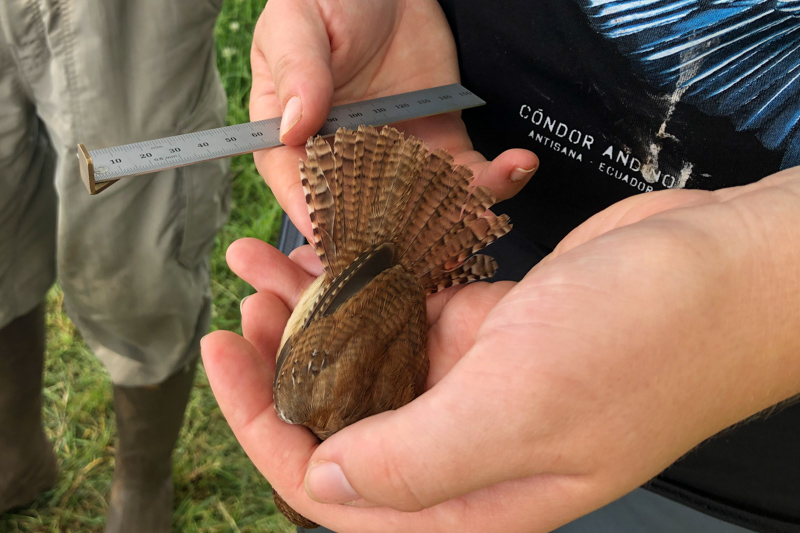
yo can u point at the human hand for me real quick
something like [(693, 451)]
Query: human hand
[(308, 55), (654, 325)]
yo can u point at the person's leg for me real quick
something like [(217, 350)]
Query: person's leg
[(148, 421), (27, 461), (133, 262), (27, 270)]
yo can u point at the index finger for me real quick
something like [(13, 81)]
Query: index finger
[(267, 269), (290, 60)]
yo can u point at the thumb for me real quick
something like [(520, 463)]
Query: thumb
[(630, 211), (290, 58), (507, 173), (432, 450)]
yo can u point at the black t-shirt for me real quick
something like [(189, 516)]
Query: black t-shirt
[(621, 97)]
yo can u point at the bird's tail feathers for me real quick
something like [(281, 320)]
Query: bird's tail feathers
[(376, 186)]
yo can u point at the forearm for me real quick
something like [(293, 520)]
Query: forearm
[(743, 241), (764, 220), (739, 252)]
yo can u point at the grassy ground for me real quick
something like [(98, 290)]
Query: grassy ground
[(217, 488)]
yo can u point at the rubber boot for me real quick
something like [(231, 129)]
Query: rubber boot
[(148, 422), (27, 462)]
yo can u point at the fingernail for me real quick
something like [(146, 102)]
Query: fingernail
[(202, 339), (241, 304), (326, 483), (292, 114), (520, 174)]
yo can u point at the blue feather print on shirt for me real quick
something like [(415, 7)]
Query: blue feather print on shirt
[(733, 58)]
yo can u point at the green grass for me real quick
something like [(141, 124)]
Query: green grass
[(216, 486)]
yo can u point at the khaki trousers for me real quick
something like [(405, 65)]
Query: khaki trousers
[(133, 261)]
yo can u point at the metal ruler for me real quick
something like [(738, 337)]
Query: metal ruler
[(102, 167)]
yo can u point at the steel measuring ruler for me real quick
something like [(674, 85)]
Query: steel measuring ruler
[(102, 167)]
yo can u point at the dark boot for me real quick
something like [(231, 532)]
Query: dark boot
[(27, 462), (148, 422)]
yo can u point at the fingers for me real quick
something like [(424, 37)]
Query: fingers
[(265, 313), (279, 168), (455, 316), (290, 60), (387, 460), (242, 385), (630, 211), (267, 269), (291, 69), (507, 174), (307, 259), (241, 372), (225, 355), (264, 316)]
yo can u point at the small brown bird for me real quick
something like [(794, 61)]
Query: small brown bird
[(392, 222)]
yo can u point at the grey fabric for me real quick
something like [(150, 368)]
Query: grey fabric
[(645, 512), (133, 260), (639, 512)]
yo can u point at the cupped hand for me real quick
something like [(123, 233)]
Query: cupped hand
[(653, 326), (308, 55)]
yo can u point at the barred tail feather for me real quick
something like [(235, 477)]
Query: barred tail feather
[(315, 175), (476, 268), (406, 176), (424, 212), (348, 149), (377, 187), (459, 245), (446, 215), (430, 165)]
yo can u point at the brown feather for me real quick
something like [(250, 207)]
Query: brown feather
[(348, 148), (315, 175), (430, 163), (475, 268)]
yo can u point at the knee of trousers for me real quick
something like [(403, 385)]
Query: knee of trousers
[(150, 349), (134, 266), (133, 261)]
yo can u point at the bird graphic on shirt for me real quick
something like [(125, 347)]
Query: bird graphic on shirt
[(734, 58), (392, 222)]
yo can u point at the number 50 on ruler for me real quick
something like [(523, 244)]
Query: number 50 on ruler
[(102, 167)]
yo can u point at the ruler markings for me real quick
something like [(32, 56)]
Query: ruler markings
[(189, 148)]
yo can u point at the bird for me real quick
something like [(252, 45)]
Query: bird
[(392, 222)]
